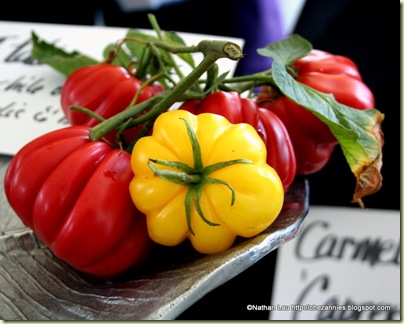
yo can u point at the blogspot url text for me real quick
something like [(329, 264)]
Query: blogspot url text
[(314, 307)]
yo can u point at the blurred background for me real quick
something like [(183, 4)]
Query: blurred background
[(364, 31)]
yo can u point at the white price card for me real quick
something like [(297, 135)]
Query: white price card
[(344, 265), (30, 92)]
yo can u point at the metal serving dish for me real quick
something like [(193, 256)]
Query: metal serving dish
[(35, 285)]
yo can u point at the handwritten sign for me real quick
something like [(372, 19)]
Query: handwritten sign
[(30, 91), (344, 265)]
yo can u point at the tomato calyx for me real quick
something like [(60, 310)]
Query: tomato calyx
[(195, 178)]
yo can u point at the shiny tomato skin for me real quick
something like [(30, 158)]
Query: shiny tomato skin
[(106, 90), (73, 193)]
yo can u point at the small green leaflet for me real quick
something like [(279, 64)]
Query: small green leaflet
[(57, 58), (287, 50)]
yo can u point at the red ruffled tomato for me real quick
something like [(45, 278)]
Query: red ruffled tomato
[(73, 193)]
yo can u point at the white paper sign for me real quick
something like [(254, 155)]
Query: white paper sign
[(344, 265), (30, 93)]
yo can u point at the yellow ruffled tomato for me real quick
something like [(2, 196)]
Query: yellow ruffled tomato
[(205, 179)]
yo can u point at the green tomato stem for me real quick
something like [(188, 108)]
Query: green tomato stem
[(161, 43), (98, 131), (88, 112), (245, 83), (212, 50)]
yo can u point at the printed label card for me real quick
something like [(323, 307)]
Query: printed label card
[(344, 265)]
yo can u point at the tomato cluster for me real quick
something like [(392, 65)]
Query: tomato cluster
[(74, 192)]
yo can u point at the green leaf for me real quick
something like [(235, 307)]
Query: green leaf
[(357, 131), (173, 38), (139, 42), (120, 57), (287, 50), (57, 58)]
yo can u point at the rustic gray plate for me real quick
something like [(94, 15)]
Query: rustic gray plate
[(34, 285)]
